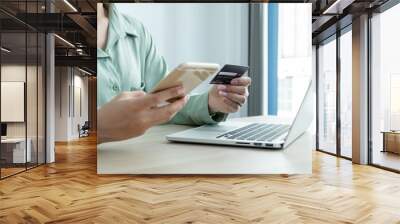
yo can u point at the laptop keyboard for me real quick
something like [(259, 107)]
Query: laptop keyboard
[(257, 132)]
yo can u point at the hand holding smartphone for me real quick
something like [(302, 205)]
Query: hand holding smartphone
[(189, 75)]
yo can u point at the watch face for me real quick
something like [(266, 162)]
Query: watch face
[(229, 72)]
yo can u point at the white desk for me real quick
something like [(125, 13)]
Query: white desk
[(18, 151), (153, 154)]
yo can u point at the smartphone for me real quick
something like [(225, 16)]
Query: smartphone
[(189, 75)]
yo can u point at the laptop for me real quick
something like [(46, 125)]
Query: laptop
[(270, 135)]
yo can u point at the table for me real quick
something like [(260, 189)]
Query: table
[(153, 154), (391, 141), (17, 151)]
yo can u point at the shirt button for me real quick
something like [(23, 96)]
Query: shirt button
[(115, 88)]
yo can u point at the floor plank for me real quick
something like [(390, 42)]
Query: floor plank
[(70, 191)]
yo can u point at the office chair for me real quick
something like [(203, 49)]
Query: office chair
[(84, 130)]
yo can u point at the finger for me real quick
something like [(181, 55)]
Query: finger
[(239, 99), (242, 81), (154, 99), (127, 95), (165, 113), (231, 106), (242, 90), (138, 93)]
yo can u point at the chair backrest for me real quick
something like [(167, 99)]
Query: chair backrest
[(86, 125)]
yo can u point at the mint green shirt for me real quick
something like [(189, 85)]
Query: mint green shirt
[(130, 62)]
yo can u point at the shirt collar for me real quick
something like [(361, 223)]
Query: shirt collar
[(118, 28), (101, 53), (119, 25)]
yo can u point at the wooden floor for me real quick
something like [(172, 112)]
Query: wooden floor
[(5, 172), (70, 191)]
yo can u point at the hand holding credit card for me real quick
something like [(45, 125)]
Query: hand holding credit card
[(228, 73)]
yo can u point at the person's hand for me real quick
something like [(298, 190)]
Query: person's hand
[(130, 114), (229, 98)]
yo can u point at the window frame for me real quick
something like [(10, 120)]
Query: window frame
[(334, 37)]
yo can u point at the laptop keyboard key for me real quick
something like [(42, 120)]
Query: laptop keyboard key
[(257, 132)]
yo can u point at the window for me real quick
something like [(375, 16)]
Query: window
[(346, 94), (294, 56), (327, 96), (385, 89), (394, 102), (22, 78)]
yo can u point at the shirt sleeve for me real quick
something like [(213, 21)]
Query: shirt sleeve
[(196, 111)]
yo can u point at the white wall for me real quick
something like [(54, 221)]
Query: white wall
[(81, 83), (214, 32), (61, 103), (67, 80), (195, 32)]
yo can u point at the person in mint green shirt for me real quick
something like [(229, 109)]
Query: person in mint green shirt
[(128, 65)]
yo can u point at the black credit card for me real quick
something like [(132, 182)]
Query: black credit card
[(229, 72)]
